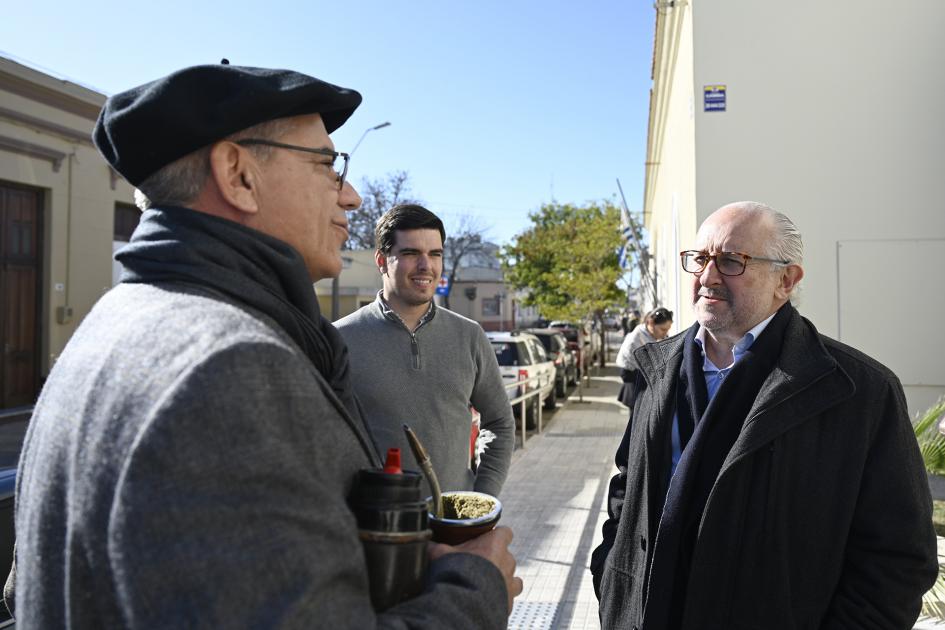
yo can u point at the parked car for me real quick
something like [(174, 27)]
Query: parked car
[(7, 534), (556, 345), (521, 356), (578, 341)]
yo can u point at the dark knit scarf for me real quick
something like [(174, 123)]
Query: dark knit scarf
[(705, 445), (181, 245)]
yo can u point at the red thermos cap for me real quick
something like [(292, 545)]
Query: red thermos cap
[(392, 465)]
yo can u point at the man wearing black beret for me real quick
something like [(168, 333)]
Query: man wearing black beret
[(189, 459)]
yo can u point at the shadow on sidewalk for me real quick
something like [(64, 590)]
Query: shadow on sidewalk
[(553, 501), (580, 564)]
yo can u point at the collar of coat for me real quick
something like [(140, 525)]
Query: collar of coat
[(392, 315), (805, 381)]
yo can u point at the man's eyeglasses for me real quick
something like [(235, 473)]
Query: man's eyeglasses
[(728, 263), (334, 155)]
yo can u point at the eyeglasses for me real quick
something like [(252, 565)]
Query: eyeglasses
[(728, 263), (334, 155)]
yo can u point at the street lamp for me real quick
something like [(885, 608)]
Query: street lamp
[(347, 261), (358, 143), (500, 296)]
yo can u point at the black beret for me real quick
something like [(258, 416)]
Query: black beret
[(147, 127)]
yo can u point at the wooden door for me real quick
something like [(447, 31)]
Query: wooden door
[(20, 244)]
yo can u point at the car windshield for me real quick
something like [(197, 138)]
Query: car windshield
[(506, 353), (570, 334), (547, 341)]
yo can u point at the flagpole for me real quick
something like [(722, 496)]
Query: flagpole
[(643, 259)]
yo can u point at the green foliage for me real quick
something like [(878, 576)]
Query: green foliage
[(567, 261), (932, 446), (938, 516), (933, 601), (931, 440)]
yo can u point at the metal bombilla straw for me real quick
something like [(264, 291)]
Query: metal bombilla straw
[(424, 460)]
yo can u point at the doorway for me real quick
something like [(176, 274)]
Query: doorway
[(20, 275)]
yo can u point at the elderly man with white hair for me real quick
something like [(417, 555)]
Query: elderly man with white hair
[(769, 477)]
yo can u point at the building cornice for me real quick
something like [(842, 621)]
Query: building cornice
[(670, 18), (44, 125), (23, 147), (43, 88)]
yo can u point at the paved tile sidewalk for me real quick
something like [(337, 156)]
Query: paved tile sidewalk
[(554, 500)]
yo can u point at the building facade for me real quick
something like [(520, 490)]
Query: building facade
[(479, 292), (357, 285), (61, 209), (831, 113)]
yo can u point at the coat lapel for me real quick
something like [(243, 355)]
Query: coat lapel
[(659, 364), (804, 366)]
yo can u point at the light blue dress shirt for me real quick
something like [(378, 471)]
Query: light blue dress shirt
[(714, 376)]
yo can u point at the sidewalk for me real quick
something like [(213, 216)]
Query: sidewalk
[(555, 502)]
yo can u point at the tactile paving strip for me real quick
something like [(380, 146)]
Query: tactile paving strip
[(532, 615)]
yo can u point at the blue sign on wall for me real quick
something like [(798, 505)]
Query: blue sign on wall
[(714, 98), (443, 286)]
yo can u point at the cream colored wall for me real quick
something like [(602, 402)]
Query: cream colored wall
[(79, 199), (670, 208), (358, 282), (472, 309), (834, 116)]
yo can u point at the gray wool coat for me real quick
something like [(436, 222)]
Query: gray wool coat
[(187, 467), (819, 518)]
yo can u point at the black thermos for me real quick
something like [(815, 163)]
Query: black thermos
[(392, 525)]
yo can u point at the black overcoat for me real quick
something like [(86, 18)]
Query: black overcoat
[(819, 518)]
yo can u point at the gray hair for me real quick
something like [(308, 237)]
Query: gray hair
[(787, 243), (179, 183)]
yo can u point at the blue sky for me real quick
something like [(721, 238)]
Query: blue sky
[(495, 107)]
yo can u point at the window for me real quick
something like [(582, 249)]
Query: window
[(510, 353), (126, 220), (550, 342), (490, 306), (538, 352), (127, 217)]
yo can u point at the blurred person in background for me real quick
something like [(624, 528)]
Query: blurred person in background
[(655, 326)]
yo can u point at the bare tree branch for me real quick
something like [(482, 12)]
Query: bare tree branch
[(377, 197), (464, 239)]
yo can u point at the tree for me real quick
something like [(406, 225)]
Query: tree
[(461, 242), (377, 197), (567, 262)]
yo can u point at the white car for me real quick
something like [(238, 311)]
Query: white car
[(521, 356)]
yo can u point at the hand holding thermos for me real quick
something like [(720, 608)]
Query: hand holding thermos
[(394, 527)]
